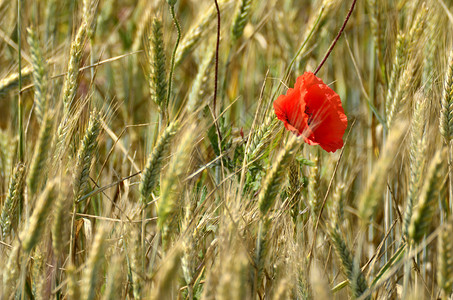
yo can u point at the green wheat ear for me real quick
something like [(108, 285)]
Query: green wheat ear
[(294, 189), (314, 183), (170, 187), (276, 175), (156, 61), (37, 225), (445, 260), (351, 269), (240, 18), (86, 153), (421, 220), (201, 85), (58, 225), (132, 251), (14, 200), (75, 57), (417, 151), (446, 111), (42, 150), (261, 138), (39, 75), (155, 161)]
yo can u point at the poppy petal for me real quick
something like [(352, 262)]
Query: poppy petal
[(314, 110)]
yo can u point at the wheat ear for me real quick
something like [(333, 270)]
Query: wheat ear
[(421, 220), (37, 225), (39, 75), (42, 150), (240, 19), (275, 176), (155, 161), (13, 199)]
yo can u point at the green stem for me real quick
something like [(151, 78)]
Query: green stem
[(170, 79)]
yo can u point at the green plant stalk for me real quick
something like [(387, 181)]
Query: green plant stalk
[(172, 67)]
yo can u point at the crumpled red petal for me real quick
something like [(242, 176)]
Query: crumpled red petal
[(314, 110)]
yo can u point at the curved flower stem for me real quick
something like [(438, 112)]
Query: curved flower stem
[(216, 72), (336, 38), (19, 102), (214, 113), (172, 67)]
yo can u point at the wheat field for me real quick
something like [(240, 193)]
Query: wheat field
[(141, 156)]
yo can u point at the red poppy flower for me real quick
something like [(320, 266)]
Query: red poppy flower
[(313, 110)]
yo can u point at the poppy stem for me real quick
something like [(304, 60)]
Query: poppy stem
[(336, 38), (216, 58)]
